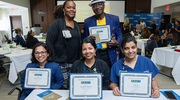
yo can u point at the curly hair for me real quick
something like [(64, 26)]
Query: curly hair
[(58, 11)]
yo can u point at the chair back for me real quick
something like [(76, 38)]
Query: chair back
[(151, 44)]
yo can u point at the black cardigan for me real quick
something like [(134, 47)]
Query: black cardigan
[(57, 42), (101, 67)]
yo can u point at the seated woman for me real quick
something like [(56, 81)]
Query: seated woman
[(133, 63), (145, 33), (19, 39), (155, 36), (42, 58), (31, 40), (90, 64)]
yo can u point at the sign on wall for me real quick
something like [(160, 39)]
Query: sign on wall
[(147, 17)]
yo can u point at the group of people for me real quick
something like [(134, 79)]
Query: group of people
[(29, 42), (66, 51), (163, 35), (167, 33)]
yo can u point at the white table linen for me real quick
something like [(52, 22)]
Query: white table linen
[(164, 56), (19, 60), (141, 44), (107, 95)]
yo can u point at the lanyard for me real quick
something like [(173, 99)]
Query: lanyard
[(94, 70), (123, 66)]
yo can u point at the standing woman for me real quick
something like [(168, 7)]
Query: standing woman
[(138, 28), (64, 39), (91, 64), (42, 58), (133, 63), (31, 40), (127, 25)]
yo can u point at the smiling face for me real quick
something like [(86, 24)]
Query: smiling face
[(98, 8), (88, 51), (70, 9), (41, 55), (130, 50)]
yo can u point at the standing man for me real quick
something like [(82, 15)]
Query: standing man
[(152, 27), (163, 25), (178, 28), (109, 51), (143, 24)]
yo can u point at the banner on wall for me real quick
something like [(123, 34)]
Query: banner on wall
[(147, 17)]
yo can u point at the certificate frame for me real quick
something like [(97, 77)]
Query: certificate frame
[(83, 91), (43, 75), (102, 29), (135, 84)]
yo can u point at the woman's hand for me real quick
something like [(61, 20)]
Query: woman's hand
[(155, 93), (116, 91)]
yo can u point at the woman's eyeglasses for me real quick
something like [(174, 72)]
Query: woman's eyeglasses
[(42, 52)]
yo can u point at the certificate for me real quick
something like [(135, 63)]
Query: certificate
[(135, 84), (37, 78), (85, 86), (103, 31)]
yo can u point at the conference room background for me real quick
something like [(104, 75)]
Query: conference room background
[(147, 17)]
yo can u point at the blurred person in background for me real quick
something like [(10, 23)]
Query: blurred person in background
[(145, 33), (31, 40), (19, 39)]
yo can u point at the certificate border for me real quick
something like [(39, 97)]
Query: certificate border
[(85, 75), (103, 26), (26, 85), (148, 74)]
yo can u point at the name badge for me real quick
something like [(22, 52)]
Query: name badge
[(66, 34)]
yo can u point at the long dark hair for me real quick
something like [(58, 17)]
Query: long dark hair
[(147, 32), (58, 12), (29, 36), (49, 58), (156, 35)]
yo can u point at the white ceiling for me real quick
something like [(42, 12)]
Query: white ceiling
[(174, 7), (8, 5)]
